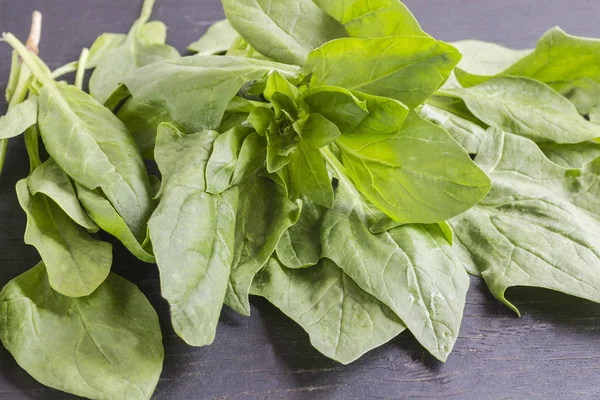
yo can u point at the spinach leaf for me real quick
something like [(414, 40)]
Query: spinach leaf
[(465, 132), (18, 118), (107, 345), (375, 18), (571, 155), (309, 176), (263, 215), (411, 269), (342, 320), (285, 31), (557, 58), (484, 58), (537, 226), (186, 87), (405, 68), (300, 245), (418, 174), (337, 105), (144, 44), (528, 108), (50, 180), (192, 233), (107, 218), (77, 263), (216, 40)]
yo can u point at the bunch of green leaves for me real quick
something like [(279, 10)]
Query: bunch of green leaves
[(314, 153)]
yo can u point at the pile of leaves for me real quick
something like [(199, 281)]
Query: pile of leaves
[(329, 156)]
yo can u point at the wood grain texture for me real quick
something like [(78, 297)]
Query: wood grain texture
[(552, 352)]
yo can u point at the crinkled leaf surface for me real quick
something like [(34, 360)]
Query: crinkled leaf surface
[(405, 68), (196, 90), (107, 345), (284, 31), (411, 269), (528, 108), (418, 174), (342, 320), (538, 225), (571, 155), (76, 262)]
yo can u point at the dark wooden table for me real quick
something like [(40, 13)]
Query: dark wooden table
[(552, 352)]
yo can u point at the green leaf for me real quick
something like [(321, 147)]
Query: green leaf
[(102, 45), (342, 320), (18, 118), (317, 131), (571, 155), (95, 149), (223, 160), (418, 174), (374, 18), (192, 233), (283, 31), (583, 93), (263, 215), (309, 175), (77, 263), (142, 120), (537, 226), (142, 46), (104, 346), (528, 108), (186, 87), (411, 269), (557, 58), (105, 215), (216, 40), (250, 159), (465, 132), (405, 68), (50, 180), (484, 58), (300, 245), (337, 105), (276, 83)]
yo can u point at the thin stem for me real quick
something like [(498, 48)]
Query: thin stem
[(81, 68), (33, 148), (146, 11), (28, 58), (33, 41), (63, 70), (334, 164)]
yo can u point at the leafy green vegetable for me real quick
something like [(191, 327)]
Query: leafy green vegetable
[(374, 18), (106, 345), (468, 134), (418, 174), (528, 108), (217, 39), (571, 155), (538, 225), (342, 320), (283, 31), (484, 58), (175, 85), (19, 118), (143, 45), (405, 68)]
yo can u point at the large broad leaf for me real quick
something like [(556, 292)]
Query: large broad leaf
[(538, 225), (528, 108), (485, 58), (77, 263), (418, 174), (52, 181), (405, 68), (374, 18), (18, 118), (300, 245), (557, 58), (192, 233), (284, 31), (342, 320), (144, 44), (196, 90), (571, 155), (94, 148), (411, 269), (263, 215), (104, 346), (216, 40)]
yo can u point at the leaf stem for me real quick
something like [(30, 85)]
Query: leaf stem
[(65, 69), (37, 67), (81, 64), (146, 11)]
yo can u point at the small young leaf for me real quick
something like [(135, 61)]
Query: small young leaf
[(317, 131), (309, 175), (216, 40), (18, 118)]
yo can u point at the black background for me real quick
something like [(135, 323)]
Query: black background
[(552, 352)]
